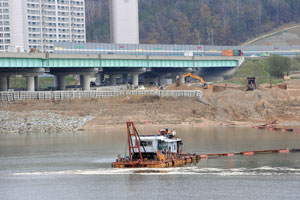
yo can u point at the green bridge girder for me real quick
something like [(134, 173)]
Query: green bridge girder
[(80, 61), (67, 63), (123, 63), (21, 62)]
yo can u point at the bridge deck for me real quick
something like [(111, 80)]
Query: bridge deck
[(34, 60)]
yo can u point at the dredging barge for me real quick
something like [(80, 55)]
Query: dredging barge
[(154, 151), (165, 150)]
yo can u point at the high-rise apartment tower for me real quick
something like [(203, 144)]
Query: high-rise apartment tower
[(37, 24), (124, 19)]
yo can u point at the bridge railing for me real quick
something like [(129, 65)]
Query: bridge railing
[(62, 95)]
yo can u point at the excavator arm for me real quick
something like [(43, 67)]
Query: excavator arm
[(204, 84)]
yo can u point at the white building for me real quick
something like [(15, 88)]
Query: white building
[(37, 24), (5, 40), (124, 20)]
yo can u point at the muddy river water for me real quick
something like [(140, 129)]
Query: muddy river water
[(77, 165)]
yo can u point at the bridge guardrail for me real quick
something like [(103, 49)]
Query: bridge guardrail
[(61, 95)]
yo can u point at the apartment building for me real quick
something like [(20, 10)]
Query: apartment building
[(5, 40), (37, 24)]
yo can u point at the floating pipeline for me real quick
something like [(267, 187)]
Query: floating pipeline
[(251, 153), (270, 126)]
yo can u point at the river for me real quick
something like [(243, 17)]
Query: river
[(77, 165)]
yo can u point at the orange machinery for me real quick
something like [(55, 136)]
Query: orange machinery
[(204, 84)]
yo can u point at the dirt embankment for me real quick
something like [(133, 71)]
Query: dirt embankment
[(288, 34), (232, 107)]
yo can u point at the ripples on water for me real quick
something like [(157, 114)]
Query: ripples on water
[(261, 171), (78, 166)]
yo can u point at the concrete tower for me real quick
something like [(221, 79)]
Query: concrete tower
[(124, 21)]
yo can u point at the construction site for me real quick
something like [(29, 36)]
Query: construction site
[(221, 105)]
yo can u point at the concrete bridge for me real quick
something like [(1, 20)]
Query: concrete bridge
[(31, 65)]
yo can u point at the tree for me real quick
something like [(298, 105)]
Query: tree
[(296, 63), (209, 23), (217, 22), (278, 65), (252, 68)]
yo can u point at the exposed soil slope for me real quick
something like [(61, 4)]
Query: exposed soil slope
[(232, 107), (286, 35)]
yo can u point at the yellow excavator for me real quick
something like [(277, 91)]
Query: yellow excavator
[(203, 83)]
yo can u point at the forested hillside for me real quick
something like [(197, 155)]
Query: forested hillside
[(214, 22)]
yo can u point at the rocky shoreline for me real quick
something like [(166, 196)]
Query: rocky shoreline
[(40, 122)]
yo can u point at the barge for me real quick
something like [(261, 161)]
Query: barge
[(154, 151), (165, 150)]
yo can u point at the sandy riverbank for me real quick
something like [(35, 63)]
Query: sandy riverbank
[(232, 107)]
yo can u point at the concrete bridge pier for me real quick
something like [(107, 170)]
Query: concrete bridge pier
[(135, 80), (61, 82), (125, 78), (29, 73), (84, 73), (85, 81), (135, 76), (8, 85), (161, 73), (164, 79), (125, 71), (86, 77), (86, 85), (55, 82), (155, 80), (182, 80), (31, 78), (173, 77), (3, 83), (112, 79), (30, 83), (100, 78), (160, 80), (36, 83), (81, 80)]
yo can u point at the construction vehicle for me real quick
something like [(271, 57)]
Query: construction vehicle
[(250, 83), (203, 83)]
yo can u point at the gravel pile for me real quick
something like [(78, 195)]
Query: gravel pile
[(40, 122)]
